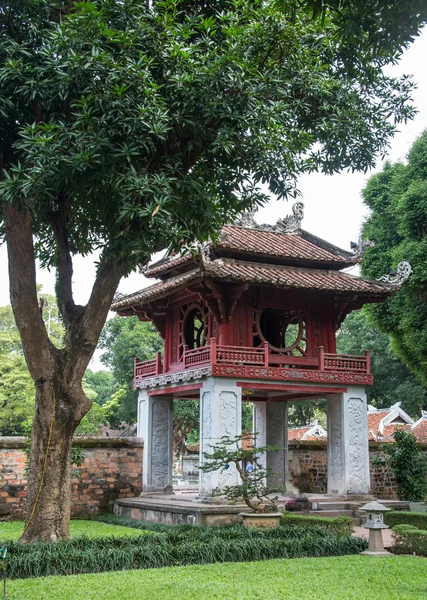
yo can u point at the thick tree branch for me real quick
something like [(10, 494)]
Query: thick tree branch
[(64, 286), (23, 291), (95, 313)]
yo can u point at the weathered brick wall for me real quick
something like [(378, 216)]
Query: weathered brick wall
[(308, 468), (112, 468)]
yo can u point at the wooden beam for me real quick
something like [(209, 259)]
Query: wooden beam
[(279, 387), (176, 390)]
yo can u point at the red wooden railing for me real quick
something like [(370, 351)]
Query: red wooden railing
[(195, 358), (147, 368), (347, 362), (262, 356)]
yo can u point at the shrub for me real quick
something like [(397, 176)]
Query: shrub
[(408, 539), (252, 489), (398, 517), (407, 466), (177, 546), (339, 525)]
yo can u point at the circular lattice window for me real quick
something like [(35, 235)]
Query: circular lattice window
[(285, 331)]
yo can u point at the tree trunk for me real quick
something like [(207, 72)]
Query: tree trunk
[(57, 373), (59, 409)]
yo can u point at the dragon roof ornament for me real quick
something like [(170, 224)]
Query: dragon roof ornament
[(360, 247), (289, 224), (398, 278)]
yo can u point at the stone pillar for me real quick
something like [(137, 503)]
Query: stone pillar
[(155, 419), (348, 451), (220, 415), (277, 435), (260, 429)]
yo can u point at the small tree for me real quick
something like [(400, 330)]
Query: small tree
[(408, 469), (253, 488)]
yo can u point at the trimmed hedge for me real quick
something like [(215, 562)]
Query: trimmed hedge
[(408, 539), (181, 545), (339, 525), (402, 517)]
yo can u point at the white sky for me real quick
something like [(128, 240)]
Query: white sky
[(333, 205)]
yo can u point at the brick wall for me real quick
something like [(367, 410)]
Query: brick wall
[(308, 468), (112, 468)]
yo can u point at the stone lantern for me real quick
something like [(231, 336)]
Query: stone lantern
[(375, 523)]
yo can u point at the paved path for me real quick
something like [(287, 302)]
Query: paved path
[(364, 533)]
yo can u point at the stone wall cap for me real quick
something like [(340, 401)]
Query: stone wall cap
[(18, 442)]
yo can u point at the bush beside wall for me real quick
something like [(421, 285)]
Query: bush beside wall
[(402, 517), (339, 525), (408, 539)]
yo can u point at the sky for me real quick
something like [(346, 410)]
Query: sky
[(333, 210)]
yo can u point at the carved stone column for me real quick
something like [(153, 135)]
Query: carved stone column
[(348, 451), (155, 419), (277, 435), (260, 428), (220, 415)]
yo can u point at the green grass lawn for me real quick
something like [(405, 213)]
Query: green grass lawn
[(344, 578), (12, 530)]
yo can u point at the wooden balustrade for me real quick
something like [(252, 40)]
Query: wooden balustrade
[(214, 353), (240, 355), (347, 362), (197, 357), (148, 368)]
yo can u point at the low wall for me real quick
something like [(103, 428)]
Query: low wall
[(112, 468), (308, 468)]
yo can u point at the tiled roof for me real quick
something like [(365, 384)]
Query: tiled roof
[(293, 277), (382, 423), (299, 433), (300, 247), (260, 274), (419, 429)]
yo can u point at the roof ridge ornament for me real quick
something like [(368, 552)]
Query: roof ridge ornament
[(205, 254), (399, 277), (289, 224), (360, 247)]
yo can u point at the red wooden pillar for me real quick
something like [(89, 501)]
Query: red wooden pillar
[(266, 353), (368, 361), (158, 363), (321, 358), (213, 351), (225, 334)]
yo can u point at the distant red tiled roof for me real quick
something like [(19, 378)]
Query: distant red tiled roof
[(378, 429), (295, 248), (315, 431), (419, 429), (296, 433), (260, 274)]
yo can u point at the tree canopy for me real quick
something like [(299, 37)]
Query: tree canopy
[(397, 197), (393, 381)]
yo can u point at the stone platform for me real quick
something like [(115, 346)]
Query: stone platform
[(185, 507), (177, 509)]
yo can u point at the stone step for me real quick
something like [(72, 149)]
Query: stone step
[(330, 506), (332, 514)]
